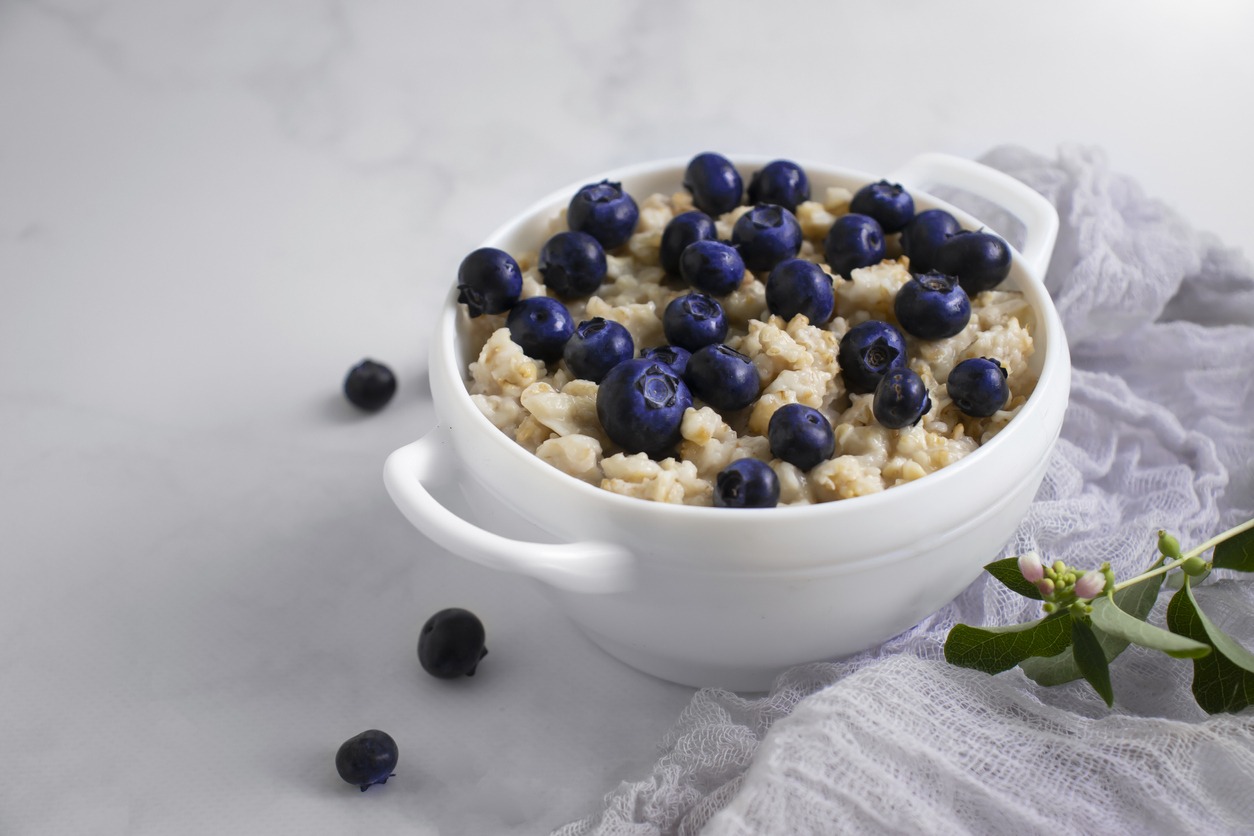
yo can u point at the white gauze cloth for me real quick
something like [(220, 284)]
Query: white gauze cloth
[(1159, 434)]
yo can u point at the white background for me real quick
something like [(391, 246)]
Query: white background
[(209, 210)]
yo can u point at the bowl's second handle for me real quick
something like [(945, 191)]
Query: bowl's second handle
[(578, 567), (1040, 219)]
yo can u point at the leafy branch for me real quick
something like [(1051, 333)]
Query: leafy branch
[(1095, 618)]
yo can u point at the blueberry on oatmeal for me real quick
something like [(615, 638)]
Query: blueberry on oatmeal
[(766, 235), (932, 306), (978, 386), (641, 405), (604, 211), (853, 241), (797, 286), (488, 281), (694, 320), (801, 435), (926, 231), (572, 264), (781, 182), (867, 351), (980, 260), (746, 483), (890, 204), (901, 399), (540, 326), (597, 346), (712, 267), (714, 183), (672, 355), (723, 377)]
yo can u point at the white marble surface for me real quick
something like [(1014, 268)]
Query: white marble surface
[(210, 209)]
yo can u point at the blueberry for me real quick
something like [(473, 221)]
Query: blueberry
[(641, 406), (712, 267), (597, 346), (682, 230), (723, 377), (932, 306), (766, 235), (694, 320), (541, 326), (980, 260), (797, 286), (672, 355), (488, 281), (572, 264), (369, 385), (867, 351), (978, 386), (924, 233), (800, 435), (901, 399), (451, 644), (854, 241), (604, 211), (746, 483), (367, 759), (714, 183), (781, 182), (890, 204)]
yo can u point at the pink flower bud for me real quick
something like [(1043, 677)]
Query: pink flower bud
[(1030, 566), (1090, 585)]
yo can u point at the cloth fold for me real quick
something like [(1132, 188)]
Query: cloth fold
[(1158, 434)]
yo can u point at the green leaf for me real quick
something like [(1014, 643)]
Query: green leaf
[(1236, 552), (1091, 659), (995, 649), (1115, 622), (1007, 571), (1224, 679), (1136, 600)]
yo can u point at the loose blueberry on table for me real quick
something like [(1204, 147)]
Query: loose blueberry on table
[(712, 267), (693, 321), (746, 483), (714, 183), (867, 351), (781, 182), (901, 399), (681, 231), (980, 260), (604, 211), (723, 377), (671, 355), (451, 643), (488, 281), (926, 231), (540, 326), (932, 306), (367, 759), (798, 286), (890, 204), (853, 241), (572, 264), (800, 435), (597, 346), (369, 385), (978, 386), (641, 405), (766, 235)]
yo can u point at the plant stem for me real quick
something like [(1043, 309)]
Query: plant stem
[(1167, 567)]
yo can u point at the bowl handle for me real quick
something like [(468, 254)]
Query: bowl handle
[(578, 567), (1040, 219)]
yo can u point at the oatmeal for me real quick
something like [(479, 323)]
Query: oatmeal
[(551, 412)]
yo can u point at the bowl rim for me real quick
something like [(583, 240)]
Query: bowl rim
[(1055, 366)]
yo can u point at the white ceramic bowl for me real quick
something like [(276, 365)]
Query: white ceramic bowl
[(730, 598)]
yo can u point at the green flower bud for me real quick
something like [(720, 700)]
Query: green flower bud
[(1194, 566), (1168, 545), (1059, 567)]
